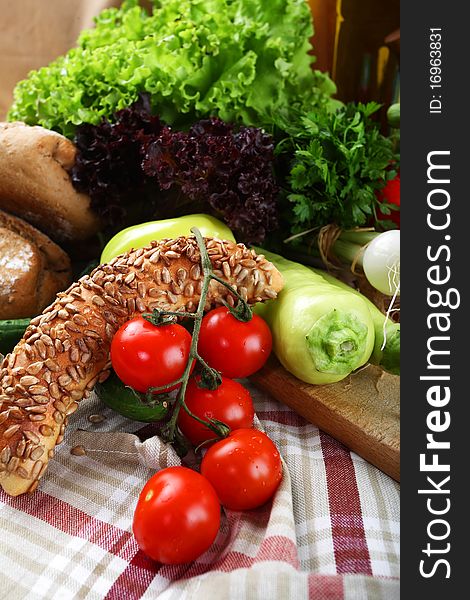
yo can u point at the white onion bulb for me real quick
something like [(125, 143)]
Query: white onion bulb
[(381, 262)]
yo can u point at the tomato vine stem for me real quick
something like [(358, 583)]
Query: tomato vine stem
[(210, 378)]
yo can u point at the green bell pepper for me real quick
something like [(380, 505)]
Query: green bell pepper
[(321, 333), (140, 235)]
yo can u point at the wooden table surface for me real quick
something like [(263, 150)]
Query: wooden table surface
[(361, 411)]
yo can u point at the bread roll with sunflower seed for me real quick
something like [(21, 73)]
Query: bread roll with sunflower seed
[(65, 350)]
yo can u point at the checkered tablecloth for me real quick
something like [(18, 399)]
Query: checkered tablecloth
[(330, 533)]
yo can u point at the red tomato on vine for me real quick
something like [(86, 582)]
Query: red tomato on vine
[(146, 355), (177, 516), (235, 348), (245, 469), (230, 403)]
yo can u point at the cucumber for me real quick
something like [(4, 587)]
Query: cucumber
[(125, 401), (11, 332)]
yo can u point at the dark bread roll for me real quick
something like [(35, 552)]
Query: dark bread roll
[(35, 183), (32, 269)]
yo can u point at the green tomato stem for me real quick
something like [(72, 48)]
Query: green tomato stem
[(219, 428), (157, 317), (242, 311), (161, 388)]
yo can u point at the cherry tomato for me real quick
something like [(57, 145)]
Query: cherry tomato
[(177, 516), (391, 195), (145, 355), (245, 469), (234, 348), (230, 403)]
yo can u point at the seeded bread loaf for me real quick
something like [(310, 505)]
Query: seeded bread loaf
[(32, 269), (65, 351), (35, 184)]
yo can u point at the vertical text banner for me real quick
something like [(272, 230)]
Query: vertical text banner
[(435, 218)]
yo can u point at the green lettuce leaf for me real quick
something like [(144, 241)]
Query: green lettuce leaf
[(246, 61)]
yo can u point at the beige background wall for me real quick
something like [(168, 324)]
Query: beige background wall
[(34, 32)]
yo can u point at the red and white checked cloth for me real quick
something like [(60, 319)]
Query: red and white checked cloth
[(330, 533)]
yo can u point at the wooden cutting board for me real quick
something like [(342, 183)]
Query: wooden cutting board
[(362, 411)]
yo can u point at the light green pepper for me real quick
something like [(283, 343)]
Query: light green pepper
[(140, 235), (386, 353), (321, 333)]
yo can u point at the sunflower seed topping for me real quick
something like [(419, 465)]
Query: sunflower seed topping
[(189, 290), (129, 278), (270, 293), (39, 410), (46, 340), (10, 432), (22, 402), (64, 380), (80, 320), (54, 390), (32, 337), (78, 451), (74, 354), (41, 399), (36, 417), (28, 380), (226, 269), (18, 371), (58, 417), (5, 455), (16, 413), (59, 405), (72, 407), (13, 464), (166, 276), (46, 431), (34, 368), (38, 390), (22, 472), (20, 448), (37, 453), (64, 346), (98, 301), (154, 257), (181, 275), (96, 418), (195, 272), (33, 437), (70, 326), (37, 467), (140, 305)]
